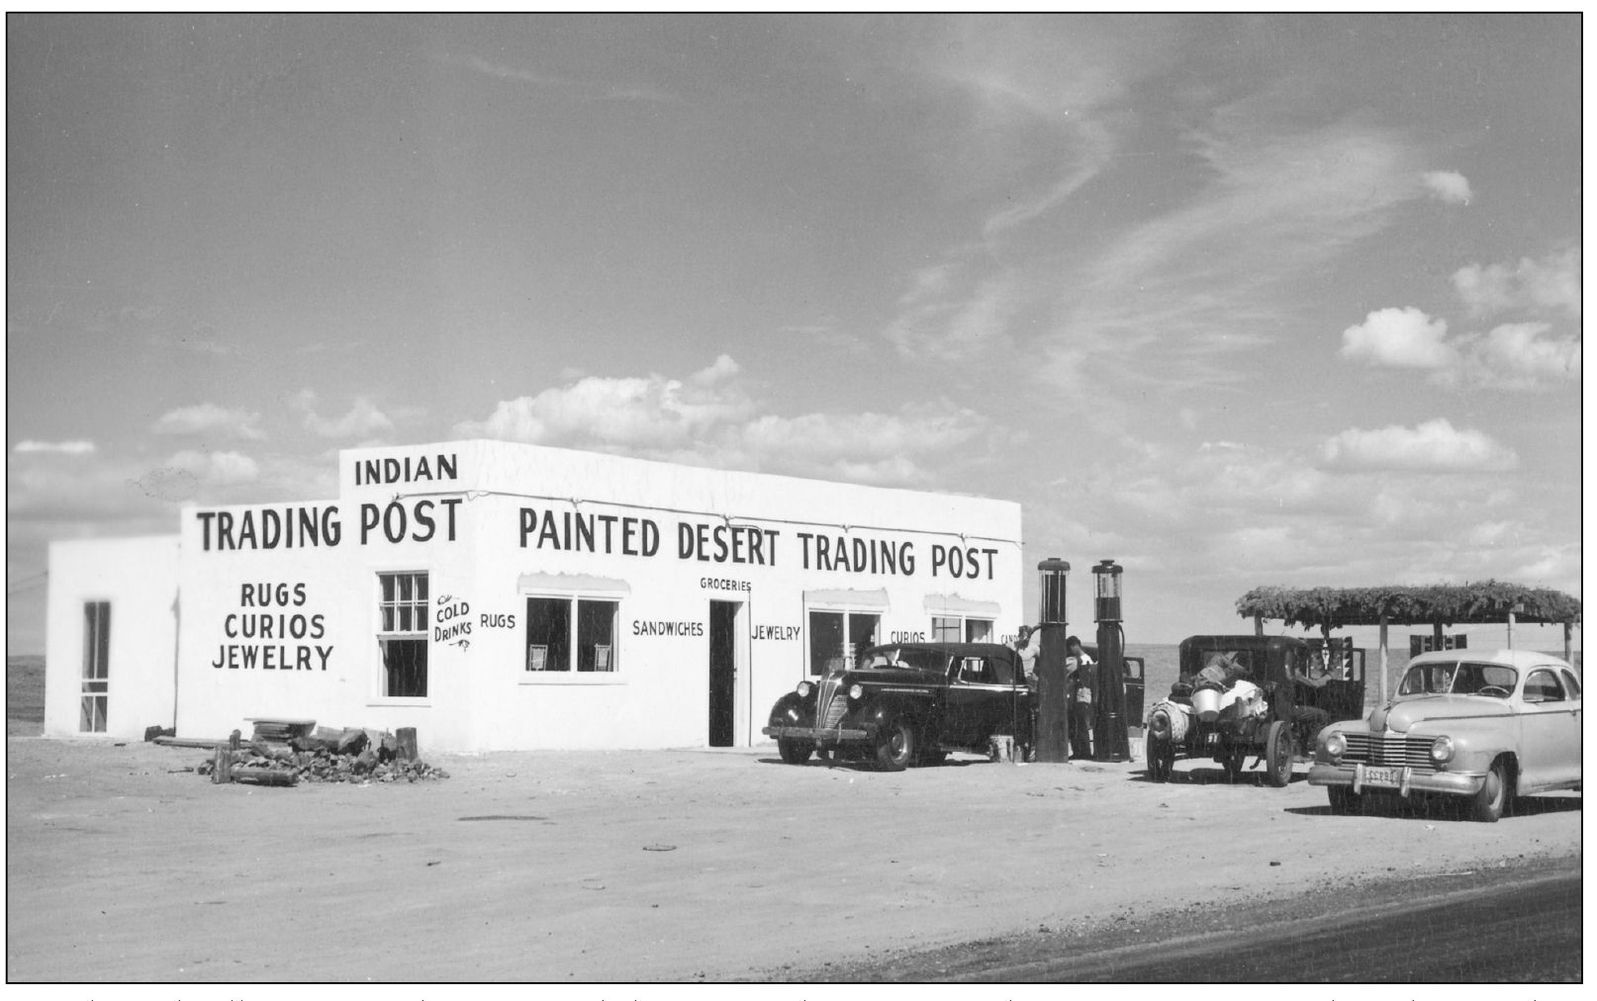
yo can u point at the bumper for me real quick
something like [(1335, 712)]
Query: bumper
[(863, 733), (1401, 779)]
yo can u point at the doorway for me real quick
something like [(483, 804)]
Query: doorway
[(723, 672)]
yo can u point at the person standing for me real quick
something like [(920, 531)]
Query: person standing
[(1028, 644), (1079, 685)]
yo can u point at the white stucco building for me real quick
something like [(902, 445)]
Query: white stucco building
[(497, 595)]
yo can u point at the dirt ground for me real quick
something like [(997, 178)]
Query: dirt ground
[(658, 866)]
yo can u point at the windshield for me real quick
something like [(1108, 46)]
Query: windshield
[(1490, 680)]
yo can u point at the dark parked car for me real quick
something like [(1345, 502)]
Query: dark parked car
[(906, 703), (1261, 696)]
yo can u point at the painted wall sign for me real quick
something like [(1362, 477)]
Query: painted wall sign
[(277, 634), (452, 621), (775, 633)]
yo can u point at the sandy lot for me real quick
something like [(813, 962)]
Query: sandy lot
[(648, 866)]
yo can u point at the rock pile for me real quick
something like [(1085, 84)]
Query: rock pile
[(326, 756)]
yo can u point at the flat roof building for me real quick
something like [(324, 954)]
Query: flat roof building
[(507, 596)]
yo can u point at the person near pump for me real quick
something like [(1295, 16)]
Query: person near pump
[(1029, 644), (1079, 683), (1308, 718)]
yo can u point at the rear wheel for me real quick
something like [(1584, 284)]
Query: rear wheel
[(794, 752), (896, 749), (1278, 754), (1160, 757), (1487, 805), (1344, 800)]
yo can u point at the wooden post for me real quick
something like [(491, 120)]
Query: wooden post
[(222, 766), (1258, 625), (1383, 658), (1511, 629), (406, 735), (1569, 651)]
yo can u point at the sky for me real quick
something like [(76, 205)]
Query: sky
[(1232, 300)]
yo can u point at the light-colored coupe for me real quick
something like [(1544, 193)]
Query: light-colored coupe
[(1479, 725)]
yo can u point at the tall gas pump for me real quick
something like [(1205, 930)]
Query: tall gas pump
[(1110, 742), (1052, 739)]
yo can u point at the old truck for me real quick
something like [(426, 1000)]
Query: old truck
[(1264, 697)]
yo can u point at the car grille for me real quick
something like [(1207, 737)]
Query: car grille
[(1389, 749), (830, 704)]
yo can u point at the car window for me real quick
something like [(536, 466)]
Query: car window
[(1492, 680), (977, 671), (1427, 679), (1543, 686), (1572, 683)]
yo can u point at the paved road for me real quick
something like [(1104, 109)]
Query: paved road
[(1521, 924)]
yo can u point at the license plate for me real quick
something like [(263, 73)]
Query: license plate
[(1383, 777)]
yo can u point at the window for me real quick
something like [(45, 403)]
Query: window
[(551, 624), (402, 633), (96, 666), (1573, 684), (838, 638), (952, 629), (1543, 686)]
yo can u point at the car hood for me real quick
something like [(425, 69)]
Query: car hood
[(1401, 717)]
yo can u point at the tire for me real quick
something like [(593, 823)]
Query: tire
[(794, 752), (896, 748), (1344, 800), (1160, 758), (1487, 805), (1278, 754)]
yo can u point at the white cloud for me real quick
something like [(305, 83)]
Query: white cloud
[(1449, 186), (74, 447), (1521, 356), (209, 418), (1403, 338), (1549, 285), (1433, 446), (709, 419), (221, 469), (362, 420)]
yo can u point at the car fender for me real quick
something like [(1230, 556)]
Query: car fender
[(1475, 744), (793, 709), (884, 708)]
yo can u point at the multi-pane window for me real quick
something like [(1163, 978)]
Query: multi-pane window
[(553, 622), (96, 666), (953, 629), (838, 638), (402, 611)]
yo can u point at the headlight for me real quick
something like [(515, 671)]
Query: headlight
[(856, 691), (1335, 745), (804, 689), (1442, 750)]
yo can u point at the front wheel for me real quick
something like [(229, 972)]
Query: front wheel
[(1487, 805), (1160, 756), (1278, 754), (794, 752), (897, 746)]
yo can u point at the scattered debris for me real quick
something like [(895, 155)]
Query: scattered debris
[(283, 753), (659, 848)]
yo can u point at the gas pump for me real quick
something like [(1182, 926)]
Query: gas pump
[(1052, 739), (1110, 742)]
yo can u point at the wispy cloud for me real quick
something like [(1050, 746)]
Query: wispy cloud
[(210, 419), (577, 88), (75, 447), (363, 419), (1551, 284)]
